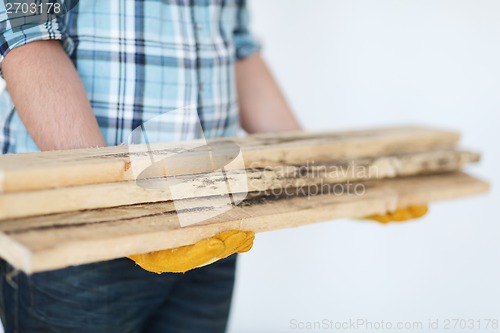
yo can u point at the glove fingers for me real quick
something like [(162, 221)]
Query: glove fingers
[(247, 243), (231, 243), (181, 259), (382, 218), (236, 241), (400, 215), (223, 236), (419, 211), (245, 246), (205, 252)]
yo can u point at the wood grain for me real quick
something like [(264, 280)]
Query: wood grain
[(94, 196), (60, 240), (39, 171)]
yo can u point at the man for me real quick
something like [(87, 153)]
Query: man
[(88, 79)]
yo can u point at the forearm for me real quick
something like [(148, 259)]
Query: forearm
[(50, 98), (263, 107)]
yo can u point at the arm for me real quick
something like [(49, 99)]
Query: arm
[(263, 107), (50, 98)]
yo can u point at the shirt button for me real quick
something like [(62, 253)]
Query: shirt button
[(199, 26), (202, 86)]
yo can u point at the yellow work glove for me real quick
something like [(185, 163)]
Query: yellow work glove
[(207, 251), (400, 215)]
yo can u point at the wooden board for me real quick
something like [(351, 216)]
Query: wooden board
[(60, 240), (38, 171), (50, 201)]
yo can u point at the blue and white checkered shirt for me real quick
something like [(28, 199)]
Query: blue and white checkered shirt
[(139, 59)]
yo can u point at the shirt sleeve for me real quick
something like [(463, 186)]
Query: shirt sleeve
[(22, 34), (245, 43)]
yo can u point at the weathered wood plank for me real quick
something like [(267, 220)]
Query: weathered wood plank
[(56, 241), (38, 171), (50, 201)]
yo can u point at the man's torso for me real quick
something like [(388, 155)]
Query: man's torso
[(139, 60)]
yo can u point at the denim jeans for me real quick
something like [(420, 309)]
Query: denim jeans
[(117, 296)]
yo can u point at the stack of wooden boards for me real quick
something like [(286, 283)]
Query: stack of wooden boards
[(67, 208)]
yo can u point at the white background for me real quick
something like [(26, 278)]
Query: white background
[(362, 63)]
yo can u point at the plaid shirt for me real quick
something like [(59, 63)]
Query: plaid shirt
[(139, 59)]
